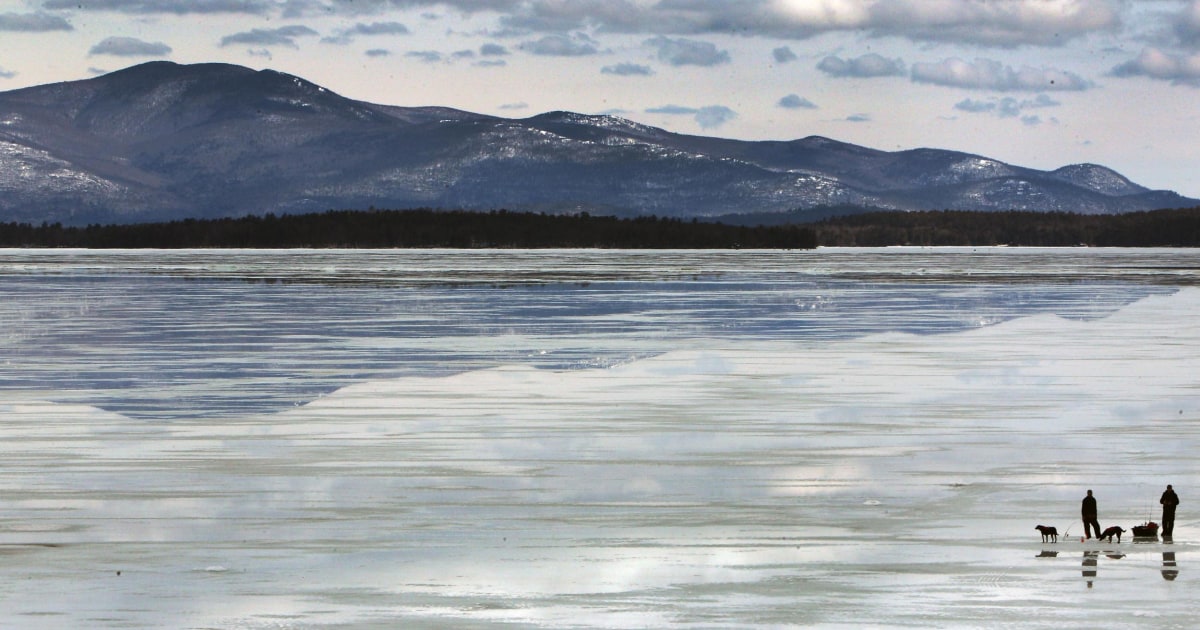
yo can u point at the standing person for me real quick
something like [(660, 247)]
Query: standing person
[(1169, 500), (1090, 524)]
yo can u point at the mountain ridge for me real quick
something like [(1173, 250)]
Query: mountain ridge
[(164, 141)]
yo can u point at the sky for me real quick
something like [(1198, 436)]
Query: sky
[(1037, 83)]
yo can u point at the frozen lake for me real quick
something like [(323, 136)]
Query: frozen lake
[(595, 439)]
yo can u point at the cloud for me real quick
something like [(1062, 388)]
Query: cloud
[(783, 54), (869, 65), (282, 36), (993, 23), (514, 106), (628, 70), (428, 56), (7, 74), (996, 23), (858, 118), (707, 117), (177, 7), (491, 63), (345, 36), (987, 74), (1156, 64), (1007, 107), (561, 46), (378, 52), (792, 101), (129, 47), (1187, 24), (33, 22), (493, 50), (688, 52)]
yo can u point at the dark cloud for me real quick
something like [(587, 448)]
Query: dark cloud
[(428, 56), (628, 70), (688, 52), (987, 74), (345, 36), (783, 54), (707, 117), (493, 50), (858, 118), (996, 23), (33, 22), (378, 52), (1007, 107), (867, 66), (7, 74), (556, 16), (491, 63), (793, 101), (129, 47), (178, 7), (1153, 63), (562, 46), (282, 36), (1186, 25)]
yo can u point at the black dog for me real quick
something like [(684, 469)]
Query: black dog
[(1110, 532), (1052, 533)]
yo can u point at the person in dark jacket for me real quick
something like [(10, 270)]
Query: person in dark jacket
[(1090, 524), (1169, 500)]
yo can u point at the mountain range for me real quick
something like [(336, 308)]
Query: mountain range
[(161, 141)]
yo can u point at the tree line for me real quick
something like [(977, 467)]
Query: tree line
[(1179, 227), (424, 227), (414, 228)]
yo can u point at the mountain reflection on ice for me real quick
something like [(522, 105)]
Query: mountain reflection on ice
[(749, 476), (165, 334)]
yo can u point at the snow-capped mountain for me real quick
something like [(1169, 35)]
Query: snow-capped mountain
[(166, 141)]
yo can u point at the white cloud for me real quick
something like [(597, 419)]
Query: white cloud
[(867, 66), (129, 47), (987, 74), (1183, 69), (688, 52)]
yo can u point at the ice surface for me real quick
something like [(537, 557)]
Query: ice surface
[(824, 459)]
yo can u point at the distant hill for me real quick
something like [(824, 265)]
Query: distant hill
[(162, 141)]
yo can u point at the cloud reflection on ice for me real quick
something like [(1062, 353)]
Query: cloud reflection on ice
[(887, 479)]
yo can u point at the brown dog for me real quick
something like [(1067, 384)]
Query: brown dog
[(1049, 533), (1110, 532)]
